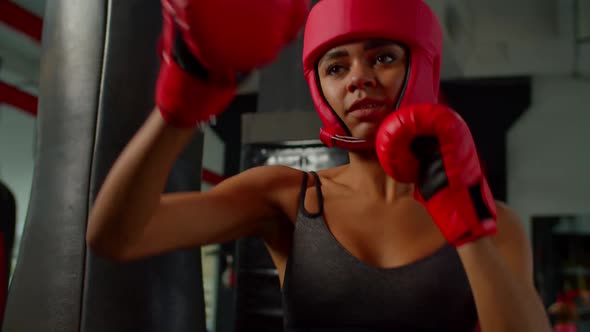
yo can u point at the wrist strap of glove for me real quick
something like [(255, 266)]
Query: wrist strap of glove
[(190, 64), (185, 60), (184, 101), (465, 213), (186, 92)]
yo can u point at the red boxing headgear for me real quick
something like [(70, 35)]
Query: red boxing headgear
[(409, 22)]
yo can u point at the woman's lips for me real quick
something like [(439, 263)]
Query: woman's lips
[(370, 112)]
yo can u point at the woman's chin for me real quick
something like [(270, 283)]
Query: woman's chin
[(366, 130)]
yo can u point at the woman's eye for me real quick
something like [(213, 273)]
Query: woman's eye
[(385, 58), (334, 69)]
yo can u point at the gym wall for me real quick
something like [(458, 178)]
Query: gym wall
[(548, 157), (17, 145)]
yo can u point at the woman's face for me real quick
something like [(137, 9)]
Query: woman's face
[(362, 82)]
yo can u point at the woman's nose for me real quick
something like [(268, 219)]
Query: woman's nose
[(361, 77)]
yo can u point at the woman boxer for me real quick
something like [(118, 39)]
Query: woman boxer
[(406, 237)]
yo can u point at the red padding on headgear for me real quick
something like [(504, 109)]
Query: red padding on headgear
[(411, 22)]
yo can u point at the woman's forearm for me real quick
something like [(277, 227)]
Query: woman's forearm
[(132, 189), (503, 302)]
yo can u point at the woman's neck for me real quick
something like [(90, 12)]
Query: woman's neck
[(365, 174)]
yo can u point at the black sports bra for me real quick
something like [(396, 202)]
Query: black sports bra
[(326, 288)]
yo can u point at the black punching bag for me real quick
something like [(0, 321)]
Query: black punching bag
[(99, 66)]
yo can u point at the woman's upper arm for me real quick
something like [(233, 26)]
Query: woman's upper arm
[(239, 206), (514, 245)]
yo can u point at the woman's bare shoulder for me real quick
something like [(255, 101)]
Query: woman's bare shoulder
[(273, 175), (279, 176), (273, 181), (282, 183), (332, 172)]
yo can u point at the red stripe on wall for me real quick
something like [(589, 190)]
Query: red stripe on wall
[(211, 177), (21, 19), (18, 98)]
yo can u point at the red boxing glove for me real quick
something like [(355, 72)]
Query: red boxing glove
[(431, 146), (207, 45)]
